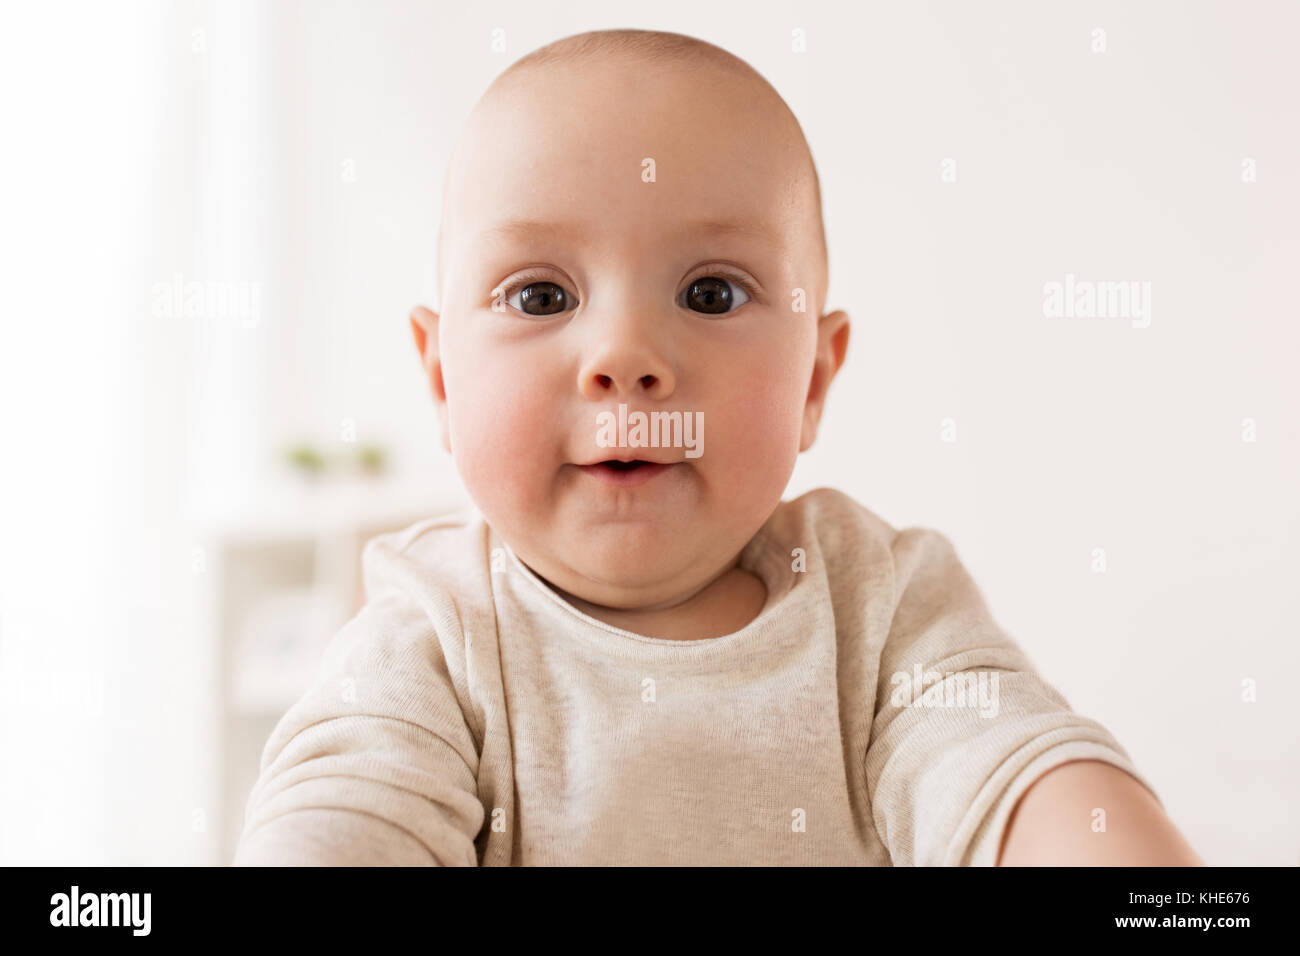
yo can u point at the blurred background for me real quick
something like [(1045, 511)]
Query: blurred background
[(217, 217)]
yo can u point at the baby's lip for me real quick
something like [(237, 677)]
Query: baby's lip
[(642, 456), (628, 477)]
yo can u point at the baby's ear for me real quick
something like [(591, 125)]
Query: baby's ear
[(424, 326), (832, 346)]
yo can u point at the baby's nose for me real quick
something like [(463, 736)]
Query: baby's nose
[(647, 381), (615, 375)]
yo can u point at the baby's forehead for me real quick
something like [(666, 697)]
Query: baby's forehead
[(611, 222), (541, 161), (582, 152), (635, 237)]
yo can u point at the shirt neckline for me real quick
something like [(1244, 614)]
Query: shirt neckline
[(760, 555)]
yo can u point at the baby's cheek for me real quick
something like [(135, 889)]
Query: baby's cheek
[(754, 444), (760, 423), (758, 436), (504, 443)]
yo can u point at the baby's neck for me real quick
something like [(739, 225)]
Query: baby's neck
[(725, 605)]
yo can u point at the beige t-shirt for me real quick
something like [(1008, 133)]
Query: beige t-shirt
[(873, 713)]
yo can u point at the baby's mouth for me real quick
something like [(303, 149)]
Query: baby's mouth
[(628, 474)]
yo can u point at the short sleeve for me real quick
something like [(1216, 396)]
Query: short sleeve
[(963, 724), (375, 764)]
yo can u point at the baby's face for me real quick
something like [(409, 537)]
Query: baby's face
[(578, 277)]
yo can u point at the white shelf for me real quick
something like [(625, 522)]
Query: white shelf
[(290, 508)]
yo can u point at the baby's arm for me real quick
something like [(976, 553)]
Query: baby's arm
[(327, 836), (375, 765), (944, 776), (1052, 824)]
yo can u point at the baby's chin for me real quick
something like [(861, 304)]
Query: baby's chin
[(626, 561), (625, 574)]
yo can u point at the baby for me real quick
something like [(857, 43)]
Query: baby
[(630, 649)]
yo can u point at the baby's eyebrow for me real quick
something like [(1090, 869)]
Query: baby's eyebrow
[(752, 227)]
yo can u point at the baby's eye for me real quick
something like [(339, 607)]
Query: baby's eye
[(712, 295), (540, 298)]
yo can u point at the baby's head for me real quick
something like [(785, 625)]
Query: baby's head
[(630, 219)]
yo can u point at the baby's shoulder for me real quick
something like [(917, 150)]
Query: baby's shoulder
[(428, 539), (842, 521), (442, 556), (836, 519), (421, 586), (859, 548)]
